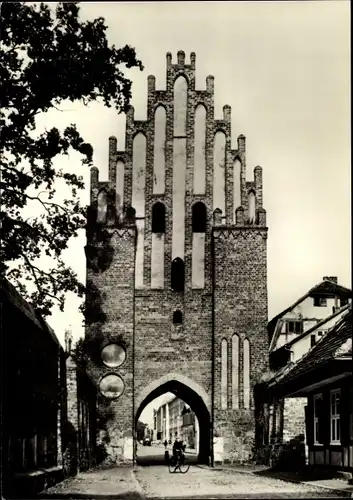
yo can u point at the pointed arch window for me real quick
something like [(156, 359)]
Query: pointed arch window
[(224, 374), (235, 371), (178, 275), (200, 150), (160, 120), (177, 317), (199, 217), (251, 206), (158, 218), (180, 106), (246, 373), (102, 204)]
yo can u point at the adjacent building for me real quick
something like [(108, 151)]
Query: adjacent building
[(47, 414), (322, 378), (176, 419), (293, 333)]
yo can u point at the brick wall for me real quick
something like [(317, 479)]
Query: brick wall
[(293, 418), (160, 355), (240, 307)]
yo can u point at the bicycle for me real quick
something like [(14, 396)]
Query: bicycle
[(179, 462)]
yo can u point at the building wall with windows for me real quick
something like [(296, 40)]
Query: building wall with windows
[(176, 263), (329, 426), (294, 333), (47, 420), (318, 304)]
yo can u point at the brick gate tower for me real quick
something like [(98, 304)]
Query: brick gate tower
[(176, 271)]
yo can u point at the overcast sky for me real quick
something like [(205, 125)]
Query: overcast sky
[(284, 68)]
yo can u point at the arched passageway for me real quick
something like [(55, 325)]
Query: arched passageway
[(197, 404)]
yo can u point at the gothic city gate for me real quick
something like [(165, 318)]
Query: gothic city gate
[(176, 268)]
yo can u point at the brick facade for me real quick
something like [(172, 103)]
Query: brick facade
[(161, 354)]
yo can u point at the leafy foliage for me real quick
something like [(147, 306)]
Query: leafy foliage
[(47, 57)]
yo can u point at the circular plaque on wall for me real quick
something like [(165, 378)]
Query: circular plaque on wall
[(111, 386), (113, 355)]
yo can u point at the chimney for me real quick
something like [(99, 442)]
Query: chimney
[(330, 278)]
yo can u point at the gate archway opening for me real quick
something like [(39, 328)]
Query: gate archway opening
[(196, 403)]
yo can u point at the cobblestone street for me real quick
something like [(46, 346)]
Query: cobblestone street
[(155, 481)]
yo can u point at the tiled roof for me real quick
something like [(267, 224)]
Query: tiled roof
[(329, 288), (9, 293), (335, 344)]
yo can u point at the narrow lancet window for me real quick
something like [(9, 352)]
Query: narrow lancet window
[(119, 187), (180, 106), (138, 201), (158, 218), (235, 372), (199, 218), (219, 162), (157, 250), (251, 207), (159, 150), (236, 186), (177, 317), (200, 150), (246, 373), (102, 204), (224, 374), (177, 275)]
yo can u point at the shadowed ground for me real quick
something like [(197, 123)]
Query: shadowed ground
[(200, 482)]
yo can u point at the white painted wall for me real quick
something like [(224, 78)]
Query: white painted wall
[(224, 374), (138, 201), (200, 150), (251, 206), (138, 174), (197, 434), (246, 373), (235, 372), (198, 260), (302, 346), (140, 224), (219, 160), (236, 187), (309, 314), (157, 260), (180, 106), (179, 168), (120, 167), (102, 206), (159, 150)]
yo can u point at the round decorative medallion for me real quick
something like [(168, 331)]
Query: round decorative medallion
[(111, 386), (113, 355)]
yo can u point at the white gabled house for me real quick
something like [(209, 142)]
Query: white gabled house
[(292, 334)]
